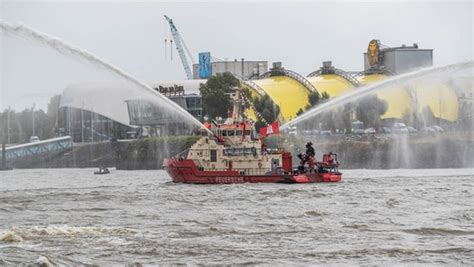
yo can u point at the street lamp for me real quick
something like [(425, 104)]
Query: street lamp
[(8, 124), (33, 116)]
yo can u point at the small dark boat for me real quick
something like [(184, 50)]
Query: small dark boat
[(102, 170)]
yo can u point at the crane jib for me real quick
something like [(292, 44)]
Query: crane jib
[(179, 46)]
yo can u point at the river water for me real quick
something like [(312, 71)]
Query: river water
[(373, 217)]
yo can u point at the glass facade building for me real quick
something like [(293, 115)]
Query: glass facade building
[(145, 119)]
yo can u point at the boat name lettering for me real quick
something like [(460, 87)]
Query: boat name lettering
[(229, 179)]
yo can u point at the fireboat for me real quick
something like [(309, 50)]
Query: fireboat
[(233, 154)]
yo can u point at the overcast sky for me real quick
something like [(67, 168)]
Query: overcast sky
[(301, 35)]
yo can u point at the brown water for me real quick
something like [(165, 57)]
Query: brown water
[(373, 217)]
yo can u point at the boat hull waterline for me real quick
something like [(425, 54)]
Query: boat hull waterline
[(186, 171)]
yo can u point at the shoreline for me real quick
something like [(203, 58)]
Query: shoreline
[(439, 151)]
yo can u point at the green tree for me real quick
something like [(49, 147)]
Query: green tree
[(369, 111), (325, 96), (269, 111), (300, 111), (314, 99), (53, 114), (427, 117), (214, 95), (21, 123)]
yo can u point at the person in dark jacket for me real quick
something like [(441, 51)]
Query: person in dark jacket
[(310, 150), (308, 157)]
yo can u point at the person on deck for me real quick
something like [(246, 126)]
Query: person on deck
[(308, 156)]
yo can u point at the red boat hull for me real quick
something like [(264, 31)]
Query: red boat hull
[(186, 171)]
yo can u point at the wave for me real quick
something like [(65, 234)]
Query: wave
[(45, 261), (10, 236), (315, 213), (20, 234), (394, 252), (357, 226), (407, 173), (437, 231)]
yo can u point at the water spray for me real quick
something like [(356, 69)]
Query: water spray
[(67, 49), (361, 92)]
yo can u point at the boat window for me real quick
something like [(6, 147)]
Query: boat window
[(247, 132), (240, 151), (231, 133), (238, 133), (213, 155), (224, 133)]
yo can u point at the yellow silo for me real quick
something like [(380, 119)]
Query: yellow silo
[(289, 94), (333, 84), (441, 99), (399, 102)]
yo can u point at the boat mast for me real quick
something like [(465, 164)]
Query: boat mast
[(236, 109)]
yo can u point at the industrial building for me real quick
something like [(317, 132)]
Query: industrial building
[(380, 63), (396, 59), (242, 68)]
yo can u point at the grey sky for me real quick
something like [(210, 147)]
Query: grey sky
[(301, 35)]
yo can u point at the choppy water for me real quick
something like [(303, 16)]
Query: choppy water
[(70, 216)]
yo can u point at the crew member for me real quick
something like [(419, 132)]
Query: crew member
[(264, 149), (310, 155), (310, 149), (307, 157)]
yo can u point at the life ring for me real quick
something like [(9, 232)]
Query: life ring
[(260, 164)]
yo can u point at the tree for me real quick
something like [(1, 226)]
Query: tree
[(269, 111), (21, 127), (314, 99), (369, 111), (53, 111), (214, 95), (300, 111), (427, 117), (325, 96)]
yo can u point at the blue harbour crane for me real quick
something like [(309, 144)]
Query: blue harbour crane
[(181, 47)]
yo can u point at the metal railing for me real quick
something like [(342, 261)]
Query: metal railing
[(301, 79), (32, 149), (350, 78), (294, 75), (251, 84)]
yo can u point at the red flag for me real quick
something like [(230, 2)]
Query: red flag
[(207, 125), (270, 129)]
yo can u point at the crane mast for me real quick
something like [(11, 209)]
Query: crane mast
[(179, 46)]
